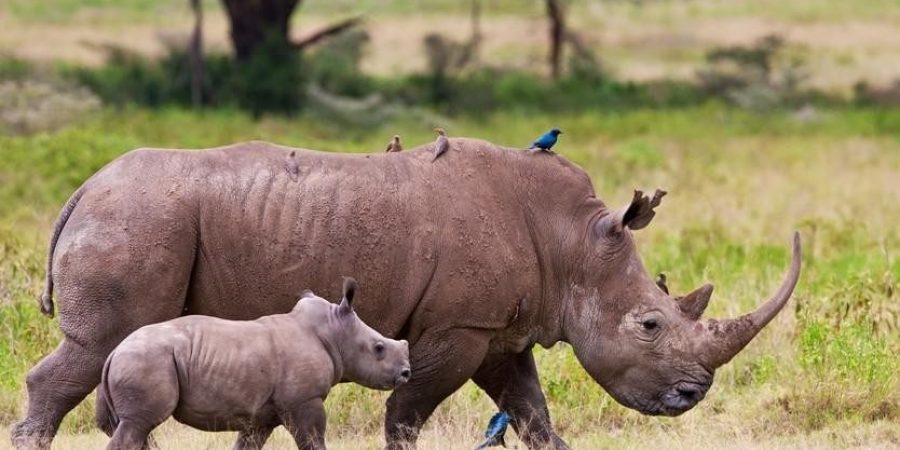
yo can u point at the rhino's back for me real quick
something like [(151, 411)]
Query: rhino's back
[(272, 224), (440, 242)]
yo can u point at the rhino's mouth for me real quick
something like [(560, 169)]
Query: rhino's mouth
[(680, 398)]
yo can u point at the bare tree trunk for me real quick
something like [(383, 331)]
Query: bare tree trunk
[(557, 34), (197, 64), (475, 40), (255, 22)]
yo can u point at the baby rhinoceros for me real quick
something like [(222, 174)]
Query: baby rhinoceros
[(247, 376)]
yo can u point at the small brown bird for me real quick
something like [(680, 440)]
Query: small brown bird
[(291, 165), (394, 145), (441, 144), (661, 282)]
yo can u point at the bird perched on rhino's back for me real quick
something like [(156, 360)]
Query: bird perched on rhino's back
[(546, 141), (441, 144), (496, 429), (394, 145)]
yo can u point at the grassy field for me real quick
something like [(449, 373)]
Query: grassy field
[(824, 374)]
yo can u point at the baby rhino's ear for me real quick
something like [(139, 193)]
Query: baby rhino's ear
[(350, 287)]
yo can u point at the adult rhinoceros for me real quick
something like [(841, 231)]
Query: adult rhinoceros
[(472, 258)]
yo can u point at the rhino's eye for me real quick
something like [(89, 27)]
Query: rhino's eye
[(650, 324), (379, 348)]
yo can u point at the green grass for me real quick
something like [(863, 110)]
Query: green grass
[(825, 373)]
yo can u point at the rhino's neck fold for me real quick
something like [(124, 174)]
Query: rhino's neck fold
[(327, 328), (560, 255)]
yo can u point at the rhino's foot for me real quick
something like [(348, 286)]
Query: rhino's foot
[(26, 435)]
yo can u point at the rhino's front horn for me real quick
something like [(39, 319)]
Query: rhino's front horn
[(728, 337)]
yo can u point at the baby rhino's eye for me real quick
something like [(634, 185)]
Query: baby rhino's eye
[(379, 348)]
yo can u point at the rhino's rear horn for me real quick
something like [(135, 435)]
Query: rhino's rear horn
[(693, 304)]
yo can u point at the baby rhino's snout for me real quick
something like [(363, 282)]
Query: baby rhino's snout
[(405, 372), (403, 377)]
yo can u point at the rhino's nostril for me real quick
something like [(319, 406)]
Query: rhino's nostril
[(689, 393), (405, 373)]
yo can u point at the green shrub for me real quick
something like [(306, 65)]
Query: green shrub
[(12, 68), (760, 76), (335, 65), (272, 80), (29, 106)]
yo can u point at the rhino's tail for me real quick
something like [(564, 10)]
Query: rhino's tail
[(106, 416), (46, 300)]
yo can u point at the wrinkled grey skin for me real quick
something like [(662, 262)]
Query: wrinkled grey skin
[(473, 258), (247, 376)]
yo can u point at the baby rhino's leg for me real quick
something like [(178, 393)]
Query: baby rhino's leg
[(252, 439), (143, 390), (306, 423)]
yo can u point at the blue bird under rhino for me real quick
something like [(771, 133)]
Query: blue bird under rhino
[(496, 429)]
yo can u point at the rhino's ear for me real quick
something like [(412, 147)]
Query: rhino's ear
[(350, 287), (641, 210), (635, 216)]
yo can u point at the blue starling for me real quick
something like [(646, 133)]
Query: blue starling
[(495, 431), (546, 141)]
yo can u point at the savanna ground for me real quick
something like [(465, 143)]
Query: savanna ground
[(824, 374)]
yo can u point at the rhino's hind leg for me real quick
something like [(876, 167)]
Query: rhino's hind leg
[(110, 280), (143, 390), (512, 382), (56, 385), (441, 363), (252, 439)]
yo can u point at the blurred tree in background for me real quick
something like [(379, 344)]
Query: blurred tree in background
[(271, 69), (261, 25)]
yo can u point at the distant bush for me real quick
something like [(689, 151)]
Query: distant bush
[(30, 106), (12, 68), (762, 76), (271, 81), (335, 65), (490, 89), (759, 76), (887, 95)]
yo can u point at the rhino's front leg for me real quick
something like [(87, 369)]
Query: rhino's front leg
[(511, 380), (306, 423), (441, 363)]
